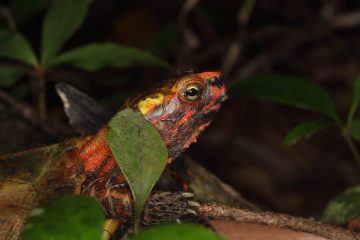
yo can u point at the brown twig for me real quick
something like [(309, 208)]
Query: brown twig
[(188, 6), (190, 40), (8, 17), (265, 60), (343, 20), (42, 99), (204, 25), (236, 47), (223, 212), (26, 111)]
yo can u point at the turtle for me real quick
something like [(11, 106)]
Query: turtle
[(85, 165)]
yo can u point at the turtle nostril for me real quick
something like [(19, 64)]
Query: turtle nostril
[(216, 81)]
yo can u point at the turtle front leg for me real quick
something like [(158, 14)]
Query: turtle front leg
[(161, 206)]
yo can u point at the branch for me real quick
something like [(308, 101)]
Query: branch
[(297, 37), (190, 40), (236, 47), (26, 111), (223, 212), (340, 20), (8, 17)]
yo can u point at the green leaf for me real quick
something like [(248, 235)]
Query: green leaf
[(355, 100), (63, 18), (343, 208), (288, 90), (67, 218), (93, 57), (9, 76), (14, 46), (355, 129), (140, 152), (305, 130), (177, 232)]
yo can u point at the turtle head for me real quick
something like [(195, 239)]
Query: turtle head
[(184, 108)]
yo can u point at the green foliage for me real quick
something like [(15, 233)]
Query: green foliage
[(355, 100), (305, 130), (67, 218), (14, 46), (92, 57), (140, 152), (343, 208), (289, 90), (63, 18), (177, 232), (355, 129), (8, 76), (298, 92)]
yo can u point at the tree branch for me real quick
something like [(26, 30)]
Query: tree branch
[(8, 17), (278, 220), (236, 46), (26, 111)]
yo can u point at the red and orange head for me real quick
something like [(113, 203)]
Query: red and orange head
[(184, 109)]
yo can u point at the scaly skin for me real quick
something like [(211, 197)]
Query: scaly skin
[(180, 111)]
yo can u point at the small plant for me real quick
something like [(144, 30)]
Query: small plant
[(63, 19), (301, 93), (298, 92)]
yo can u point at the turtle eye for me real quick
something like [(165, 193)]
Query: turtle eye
[(193, 92)]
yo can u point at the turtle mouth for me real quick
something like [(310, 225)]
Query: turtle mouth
[(223, 97)]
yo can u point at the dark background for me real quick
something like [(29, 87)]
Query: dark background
[(318, 40)]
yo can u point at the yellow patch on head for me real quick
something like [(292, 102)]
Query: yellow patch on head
[(149, 103)]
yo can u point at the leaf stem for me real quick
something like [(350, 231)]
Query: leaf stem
[(350, 118), (351, 144), (40, 92)]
